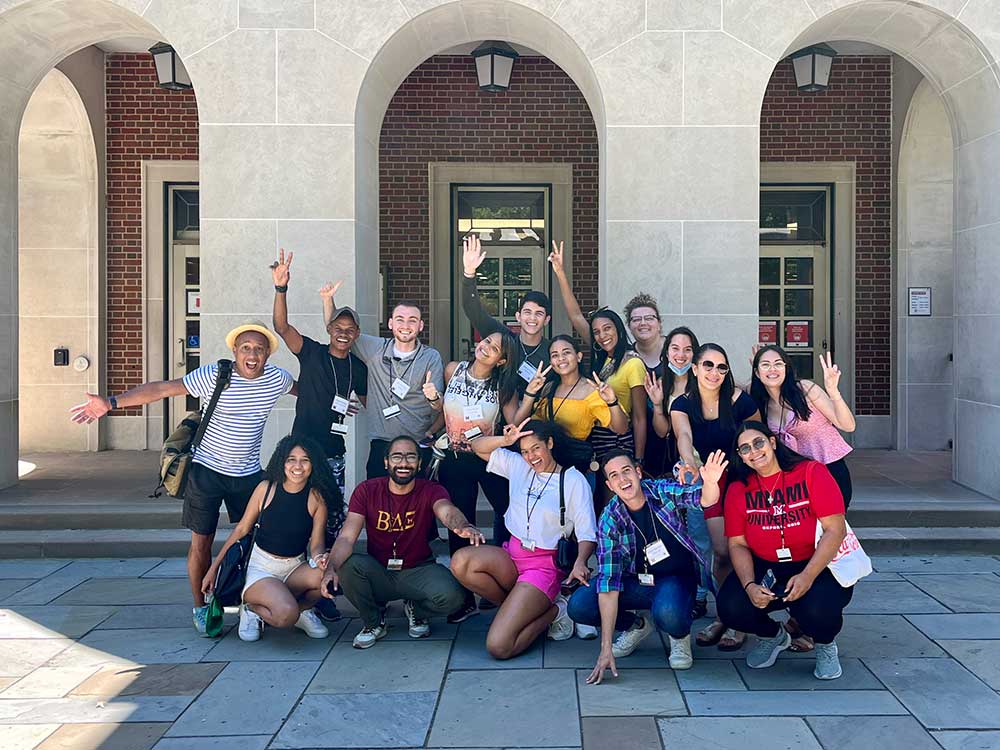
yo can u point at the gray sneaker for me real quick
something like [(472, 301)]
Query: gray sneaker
[(827, 662), (199, 616), (765, 653)]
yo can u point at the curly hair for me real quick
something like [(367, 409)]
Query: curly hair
[(640, 300), (320, 479)]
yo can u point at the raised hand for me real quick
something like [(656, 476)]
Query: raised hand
[(92, 409), (654, 389), (430, 390), (753, 355), (831, 373), (329, 290), (513, 433), (280, 268), (537, 382), (713, 468), (473, 254), (556, 259), (605, 391)]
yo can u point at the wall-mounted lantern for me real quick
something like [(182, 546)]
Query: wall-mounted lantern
[(812, 67), (494, 64), (170, 71)]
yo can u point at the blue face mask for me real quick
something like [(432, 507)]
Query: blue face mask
[(679, 370)]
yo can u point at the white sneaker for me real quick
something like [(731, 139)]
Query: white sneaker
[(368, 636), (250, 624), (418, 628), (629, 640), (680, 652), (561, 628), (585, 632), (310, 623)]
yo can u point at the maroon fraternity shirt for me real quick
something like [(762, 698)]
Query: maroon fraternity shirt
[(405, 520)]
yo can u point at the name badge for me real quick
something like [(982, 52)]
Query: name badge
[(340, 405), (395, 563), (338, 428), (472, 432), (528, 544), (527, 371), (400, 388), (391, 411), (646, 579), (784, 554), (656, 552), (472, 413)]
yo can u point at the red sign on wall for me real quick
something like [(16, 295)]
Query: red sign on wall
[(767, 332), (797, 333)]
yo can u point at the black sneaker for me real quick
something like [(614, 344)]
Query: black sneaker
[(468, 610), (486, 604), (326, 609)]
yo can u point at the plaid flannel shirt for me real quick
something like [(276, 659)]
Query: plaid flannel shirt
[(617, 548)]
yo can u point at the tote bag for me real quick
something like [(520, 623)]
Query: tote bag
[(851, 563)]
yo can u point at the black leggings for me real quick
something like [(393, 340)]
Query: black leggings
[(843, 479), (462, 474), (819, 613)]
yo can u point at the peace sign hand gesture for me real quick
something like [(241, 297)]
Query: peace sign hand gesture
[(473, 254), (713, 468), (538, 381), (430, 390), (556, 259), (654, 389), (831, 373), (605, 391), (280, 268), (513, 433)]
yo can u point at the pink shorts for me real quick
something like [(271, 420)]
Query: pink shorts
[(537, 568)]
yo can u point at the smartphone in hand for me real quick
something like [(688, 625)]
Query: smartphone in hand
[(769, 581)]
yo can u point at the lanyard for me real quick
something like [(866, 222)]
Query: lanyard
[(565, 399), (525, 352), (770, 502), (468, 387), (528, 511), (402, 520), (645, 541), (336, 380), (392, 363)]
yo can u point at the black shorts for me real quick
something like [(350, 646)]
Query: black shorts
[(205, 492)]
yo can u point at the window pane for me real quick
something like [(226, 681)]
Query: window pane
[(186, 216), (511, 300), (192, 271), (770, 302), (770, 271), (793, 216), (803, 364), (488, 273), (798, 302), (491, 300), (517, 272), (798, 271)]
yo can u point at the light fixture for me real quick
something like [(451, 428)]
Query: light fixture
[(812, 67), (170, 71), (494, 64)]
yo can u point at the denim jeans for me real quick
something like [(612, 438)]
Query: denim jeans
[(698, 531), (669, 602)]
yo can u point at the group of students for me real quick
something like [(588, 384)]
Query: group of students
[(637, 446)]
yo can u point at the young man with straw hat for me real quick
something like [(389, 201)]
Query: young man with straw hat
[(226, 465)]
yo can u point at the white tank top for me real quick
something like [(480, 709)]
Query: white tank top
[(469, 403)]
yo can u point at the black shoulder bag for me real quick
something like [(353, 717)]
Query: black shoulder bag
[(232, 574), (568, 547)]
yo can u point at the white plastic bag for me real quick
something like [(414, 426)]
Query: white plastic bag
[(851, 563)]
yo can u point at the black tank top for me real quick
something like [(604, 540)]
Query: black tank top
[(285, 524)]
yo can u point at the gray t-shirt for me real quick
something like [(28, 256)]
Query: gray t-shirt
[(416, 415)]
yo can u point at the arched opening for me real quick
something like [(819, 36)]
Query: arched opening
[(915, 367)]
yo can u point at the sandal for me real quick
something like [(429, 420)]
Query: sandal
[(732, 640), (801, 643), (710, 634)]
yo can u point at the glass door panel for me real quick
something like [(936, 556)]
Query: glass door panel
[(184, 292)]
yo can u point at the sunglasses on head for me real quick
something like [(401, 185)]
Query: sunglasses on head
[(708, 364)]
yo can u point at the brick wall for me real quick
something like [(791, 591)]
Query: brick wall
[(850, 121), (143, 122), (439, 114)]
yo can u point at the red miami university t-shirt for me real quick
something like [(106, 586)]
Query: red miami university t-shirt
[(404, 519), (802, 495)]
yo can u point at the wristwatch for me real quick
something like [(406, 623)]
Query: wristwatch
[(283, 288)]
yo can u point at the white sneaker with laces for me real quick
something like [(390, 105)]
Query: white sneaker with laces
[(251, 625), (680, 652), (629, 640), (585, 632), (418, 628), (368, 636), (310, 623), (561, 628)]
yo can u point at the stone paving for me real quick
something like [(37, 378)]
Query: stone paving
[(101, 654)]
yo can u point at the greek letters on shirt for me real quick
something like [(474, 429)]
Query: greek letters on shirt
[(395, 522), (789, 509)]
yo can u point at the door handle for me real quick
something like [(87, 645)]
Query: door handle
[(183, 357), (825, 346), (468, 347)]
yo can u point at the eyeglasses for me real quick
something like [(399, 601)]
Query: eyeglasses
[(644, 319), (722, 368), (399, 458), (757, 445), (768, 366)]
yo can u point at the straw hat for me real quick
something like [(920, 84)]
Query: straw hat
[(257, 328)]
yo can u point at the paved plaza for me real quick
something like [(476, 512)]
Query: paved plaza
[(101, 654)]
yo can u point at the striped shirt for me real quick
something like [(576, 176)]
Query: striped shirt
[(231, 443)]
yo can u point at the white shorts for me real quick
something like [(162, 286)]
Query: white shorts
[(265, 565)]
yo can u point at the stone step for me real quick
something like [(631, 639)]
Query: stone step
[(126, 543)]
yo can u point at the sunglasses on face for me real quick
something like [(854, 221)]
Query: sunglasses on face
[(722, 368), (757, 445)]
